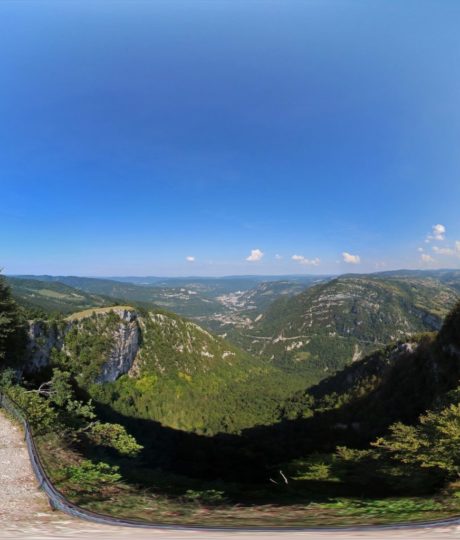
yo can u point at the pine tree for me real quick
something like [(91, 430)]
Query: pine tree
[(9, 321)]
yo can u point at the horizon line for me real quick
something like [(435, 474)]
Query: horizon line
[(227, 276)]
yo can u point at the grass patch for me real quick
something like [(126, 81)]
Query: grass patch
[(96, 311)]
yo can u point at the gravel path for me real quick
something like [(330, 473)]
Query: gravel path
[(19, 495), (26, 514)]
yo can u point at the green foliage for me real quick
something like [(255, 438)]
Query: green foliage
[(87, 346), (12, 336), (114, 436), (79, 411), (190, 379), (411, 458), (62, 390), (450, 332), (434, 443), (207, 497), (7, 378), (39, 411), (89, 477), (313, 467)]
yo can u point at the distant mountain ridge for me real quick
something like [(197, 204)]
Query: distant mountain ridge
[(206, 300), (342, 320)]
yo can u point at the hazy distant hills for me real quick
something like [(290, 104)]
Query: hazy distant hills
[(54, 296), (217, 303), (215, 286)]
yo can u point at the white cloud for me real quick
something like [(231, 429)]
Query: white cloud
[(444, 251), (307, 262), (438, 233), (278, 257), (190, 258), (256, 255), (420, 250), (298, 258), (351, 259), (448, 251), (427, 258)]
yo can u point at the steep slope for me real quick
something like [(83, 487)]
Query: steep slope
[(358, 404), (157, 366), (340, 321)]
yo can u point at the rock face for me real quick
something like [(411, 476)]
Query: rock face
[(43, 338), (125, 348)]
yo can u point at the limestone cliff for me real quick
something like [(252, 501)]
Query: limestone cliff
[(123, 341), (126, 339), (42, 338)]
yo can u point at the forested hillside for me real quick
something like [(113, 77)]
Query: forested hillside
[(340, 321), (154, 365)]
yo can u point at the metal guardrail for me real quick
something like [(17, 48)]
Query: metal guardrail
[(58, 501)]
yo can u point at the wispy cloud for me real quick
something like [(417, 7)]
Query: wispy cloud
[(307, 262), (351, 259), (444, 251), (427, 258), (255, 256), (190, 258), (448, 251)]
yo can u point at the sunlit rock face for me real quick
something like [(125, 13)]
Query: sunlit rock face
[(41, 339), (125, 347), (44, 337)]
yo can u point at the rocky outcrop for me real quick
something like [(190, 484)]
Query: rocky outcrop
[(125, 348), (41, 339), (44, 337)]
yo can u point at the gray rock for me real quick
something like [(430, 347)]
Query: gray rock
[(43, 337), (125, 349)]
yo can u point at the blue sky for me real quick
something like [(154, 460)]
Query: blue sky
[(135, 134)]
